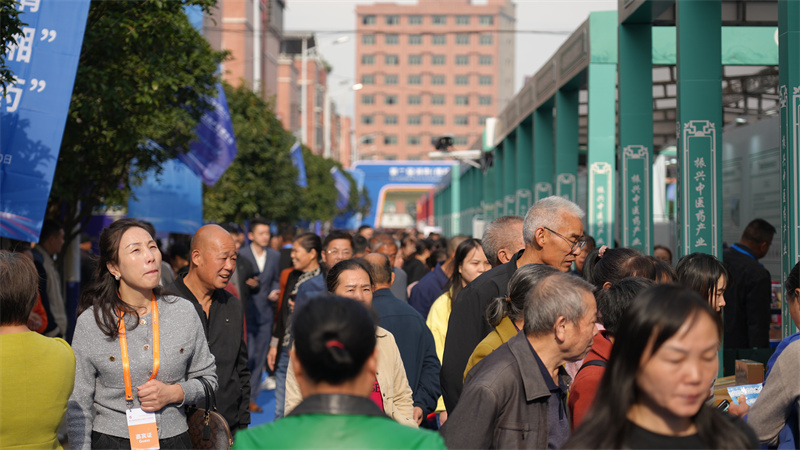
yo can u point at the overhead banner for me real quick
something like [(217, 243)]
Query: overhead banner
[(34, 109), (215, 146), (342, 187), (296, 153)]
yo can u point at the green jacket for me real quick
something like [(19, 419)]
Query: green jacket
[(336, 421)]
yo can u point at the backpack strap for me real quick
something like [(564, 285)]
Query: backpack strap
[(595, 362)]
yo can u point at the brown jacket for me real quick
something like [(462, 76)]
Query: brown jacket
[(395, 390), (504, 403)]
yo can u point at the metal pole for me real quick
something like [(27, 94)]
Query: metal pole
[(304, 93)]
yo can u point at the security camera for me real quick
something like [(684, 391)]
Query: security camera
[(443, 143)]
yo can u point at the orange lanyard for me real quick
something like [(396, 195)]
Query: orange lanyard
[(123, 345)]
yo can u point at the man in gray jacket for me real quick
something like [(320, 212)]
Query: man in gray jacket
[(517, 396)]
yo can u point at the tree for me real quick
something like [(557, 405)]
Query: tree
[(261, 180), (318, 201), (144, 76), (10, 28)]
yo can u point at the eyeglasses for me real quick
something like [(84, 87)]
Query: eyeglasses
[(578, 243), (336, 252)]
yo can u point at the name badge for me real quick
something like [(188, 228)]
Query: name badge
[(142, 429)]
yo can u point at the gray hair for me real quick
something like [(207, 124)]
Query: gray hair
[(499, 234), (557, 295), (548, 212)]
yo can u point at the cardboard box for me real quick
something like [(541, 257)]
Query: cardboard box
[(749, 372)]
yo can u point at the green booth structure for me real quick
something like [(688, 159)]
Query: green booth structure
[(630, 89)]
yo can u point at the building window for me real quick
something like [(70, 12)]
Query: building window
[(437, 80), (367, 119), (390, 99), (460, 140), (390, 79), (367, 79), (486, 39), (415, 20), (414, 140), (462, 60), (485, 100), (412, 157), (439, 20), (437, 99), (392, 60), (416, 119), (368, 20), (485, 80), (415, 79), (368, 39), (437, 60), (390, 119), (462, 80), (485, 60), (461, 120), (367, 139), (414, 39), (462, 39), (462, 100), (367, 99), (462, 20), (414, 60), (486, 20), (414, 99), (392, 39), (482, 120), (367, 60), (437, 120), (390, 139), (439, 39), (395, 20)]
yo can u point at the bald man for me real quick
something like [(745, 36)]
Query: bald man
[(212, 262)]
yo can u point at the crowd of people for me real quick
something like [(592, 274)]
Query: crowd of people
[(530, 337)]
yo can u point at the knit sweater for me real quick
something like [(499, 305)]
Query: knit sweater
[(98, 399)]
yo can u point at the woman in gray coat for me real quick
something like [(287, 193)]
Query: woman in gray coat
[(139, 355)]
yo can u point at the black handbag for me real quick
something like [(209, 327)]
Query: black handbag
[(207, 428)]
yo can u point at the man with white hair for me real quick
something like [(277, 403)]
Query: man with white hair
[(553, 235), (517, 396)]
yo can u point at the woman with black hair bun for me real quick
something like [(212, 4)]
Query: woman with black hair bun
[(335, 360), (653, 393), (506, 314)]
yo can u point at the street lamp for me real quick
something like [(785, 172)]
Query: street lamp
[(304, 92)]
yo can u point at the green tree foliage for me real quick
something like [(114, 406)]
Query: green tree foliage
[(261, 181), (319, 199), (10, 28), (144, 76)]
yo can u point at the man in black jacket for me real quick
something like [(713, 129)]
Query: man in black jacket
[(213, 259), (553, 235), (748, 293)]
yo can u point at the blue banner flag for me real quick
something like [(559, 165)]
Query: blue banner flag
[(172, 201), (215, 146), (296, 153), (33, 111), (342, 187)]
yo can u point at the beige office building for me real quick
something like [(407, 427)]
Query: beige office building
[(440, 67)]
